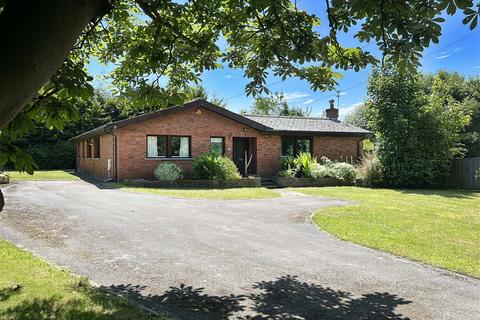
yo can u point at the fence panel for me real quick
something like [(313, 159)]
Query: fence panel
[(463, 173)]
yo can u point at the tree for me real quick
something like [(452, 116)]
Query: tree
[(453, 89), (358, 116), (200, 92), (275, 105), (417, 134)]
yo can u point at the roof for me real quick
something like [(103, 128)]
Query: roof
[(306, 124), (277, 124)]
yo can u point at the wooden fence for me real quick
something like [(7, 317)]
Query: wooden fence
[(463, 173)]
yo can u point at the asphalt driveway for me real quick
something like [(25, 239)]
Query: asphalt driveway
[(225, 259)]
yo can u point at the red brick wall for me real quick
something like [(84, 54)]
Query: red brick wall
[(337, 148), (131, 141), (132, 146), (96, 167)]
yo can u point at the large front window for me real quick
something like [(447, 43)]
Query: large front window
[(292, 146), (180, 147), (168, 147)]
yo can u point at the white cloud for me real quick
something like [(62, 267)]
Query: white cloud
[(442, 56), (343, 93), (458, 49), (308, 101), (228, 76), (291, 96)]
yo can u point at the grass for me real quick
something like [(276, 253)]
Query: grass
[(225, 194), (31, 288), (42, 175), (438, 227)]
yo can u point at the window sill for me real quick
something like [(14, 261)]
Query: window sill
[(168, 159)]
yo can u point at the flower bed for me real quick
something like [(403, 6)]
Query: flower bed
[(308, 182), (196, 183)]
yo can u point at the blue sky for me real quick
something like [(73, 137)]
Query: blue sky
[(458, 50)]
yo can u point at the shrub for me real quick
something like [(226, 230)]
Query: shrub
[(168, 171), (287, 163), (343, 171), (321, 171), (53, 155), (212, 165), (371, 171), (305, 164)]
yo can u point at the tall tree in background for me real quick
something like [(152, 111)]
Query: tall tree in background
[(358, 116), (275, 105), (417, 135), (452, 90)]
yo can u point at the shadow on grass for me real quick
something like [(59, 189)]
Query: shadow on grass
[(446, 193), (99, 305), (283, 298)]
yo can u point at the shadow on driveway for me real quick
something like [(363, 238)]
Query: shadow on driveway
[(283, 298)]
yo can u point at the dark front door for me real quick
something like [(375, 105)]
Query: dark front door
[(240, 153)]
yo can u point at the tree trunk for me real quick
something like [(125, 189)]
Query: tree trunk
[(2, 202), (35, 39)]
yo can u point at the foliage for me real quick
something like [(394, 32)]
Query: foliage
[(53, 155), (452, 89), (168, 171), (200, 92), (368, 146), (358, 116), (305, 164), (159, 48), (417, 135), (344, 171), (212, 165), (438, 227), (275, 105), (477, 176), (371, 171)]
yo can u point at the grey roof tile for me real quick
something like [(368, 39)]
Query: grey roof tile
[(306, 124)]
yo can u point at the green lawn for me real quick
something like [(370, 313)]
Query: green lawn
[(42, 175), (226, 194), (439, 227), (33, 289)]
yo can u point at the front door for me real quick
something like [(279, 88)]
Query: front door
[(240, 153)]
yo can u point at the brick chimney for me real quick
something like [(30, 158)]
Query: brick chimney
[(332, 112)]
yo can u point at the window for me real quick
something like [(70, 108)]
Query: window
[(292, 146), (89, 148), (217, 144), (180, 147), (168, 146), (156, 146), (96, 147)]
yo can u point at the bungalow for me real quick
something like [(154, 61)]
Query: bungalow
[(132, 148)]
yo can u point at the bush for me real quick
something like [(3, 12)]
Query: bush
[(53, 155), (343, 171), (212, 166), (321, 171), (168, 171), (371, 171), (305, 164)]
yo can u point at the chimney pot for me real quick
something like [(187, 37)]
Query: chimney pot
[(332, 112)]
